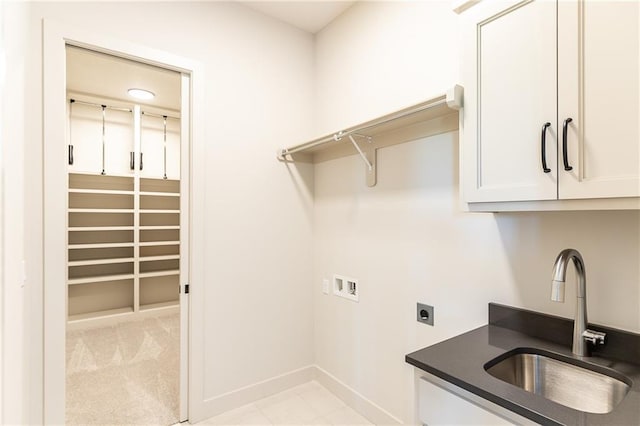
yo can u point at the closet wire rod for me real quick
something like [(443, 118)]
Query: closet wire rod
[(71, 100), (150, 114), (104, 108), (360, 129), (164, 120), (99, 105)]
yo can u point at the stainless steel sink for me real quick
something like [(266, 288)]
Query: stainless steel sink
[(571, 385)]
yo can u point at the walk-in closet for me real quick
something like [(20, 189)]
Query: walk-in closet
[(125, 238)]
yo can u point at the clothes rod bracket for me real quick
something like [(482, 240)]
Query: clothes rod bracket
[(369, 155)]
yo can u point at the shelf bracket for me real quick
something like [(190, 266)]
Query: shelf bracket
[(369, 155), (454, 97)]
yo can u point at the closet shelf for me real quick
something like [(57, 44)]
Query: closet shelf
[(99, 245), (359, 139), (100, 191), (156, 258), (101, 210), (159, 273), (100, 261), (158, 211), (160, 194), (100, 228), (158, 228), (162, 305), (100, 314), (159, 243), (100, 279)]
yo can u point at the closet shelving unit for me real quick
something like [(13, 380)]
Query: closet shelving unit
[(123, 244), (432, 116), (159, 245), (101, 245)]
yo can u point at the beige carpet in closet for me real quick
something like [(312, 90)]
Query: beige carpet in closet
[(127, 373)]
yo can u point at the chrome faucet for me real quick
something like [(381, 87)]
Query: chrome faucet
[(581, 335)]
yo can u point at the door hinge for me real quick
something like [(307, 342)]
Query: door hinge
[(186, 289)]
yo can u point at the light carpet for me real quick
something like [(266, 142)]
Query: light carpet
[(125, 374)]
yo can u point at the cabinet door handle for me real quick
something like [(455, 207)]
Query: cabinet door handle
[(70, 155), (140, 161), (565, 156), (132, 160), (543, 144)]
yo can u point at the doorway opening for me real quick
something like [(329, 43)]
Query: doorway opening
[(127, 248)]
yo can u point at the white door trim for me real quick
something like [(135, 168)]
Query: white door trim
[(51, 326)]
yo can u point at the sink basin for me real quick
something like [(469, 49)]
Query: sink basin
[(566, 382)]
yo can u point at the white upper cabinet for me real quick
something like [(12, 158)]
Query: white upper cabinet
[(528, 67), (598, 83), (509, 95)]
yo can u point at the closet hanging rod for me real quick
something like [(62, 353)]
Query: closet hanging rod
[(360, 130), (150, 114), (99, 105)]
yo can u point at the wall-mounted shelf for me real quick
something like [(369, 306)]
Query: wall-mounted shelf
[(361, 139)]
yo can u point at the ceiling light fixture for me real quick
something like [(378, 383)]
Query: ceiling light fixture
[(141, 94)]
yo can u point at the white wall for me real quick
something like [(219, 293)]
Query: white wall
[(378, 57), (258, 212), (406, 239), (13, 22)]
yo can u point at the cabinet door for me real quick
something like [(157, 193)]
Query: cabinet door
[(509, 73), (598, 54), (444, 404)]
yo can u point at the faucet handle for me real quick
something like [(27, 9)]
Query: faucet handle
[(594, 337)]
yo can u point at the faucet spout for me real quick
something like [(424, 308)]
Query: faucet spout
[(580, 346), (560, 271)]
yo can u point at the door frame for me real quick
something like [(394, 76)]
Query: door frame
[(51, 327)]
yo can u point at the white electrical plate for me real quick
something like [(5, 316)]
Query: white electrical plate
[(346, 287)]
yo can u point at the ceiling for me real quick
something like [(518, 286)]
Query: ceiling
[(310, 16), (101, 76)]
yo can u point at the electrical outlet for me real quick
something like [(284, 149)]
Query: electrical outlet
[(424, 313), (325, 286), (346, 287)]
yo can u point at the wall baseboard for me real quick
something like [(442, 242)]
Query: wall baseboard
[(251, 393), (127, 318), (354, 399)]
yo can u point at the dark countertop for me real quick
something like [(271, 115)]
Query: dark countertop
[(461, 359)]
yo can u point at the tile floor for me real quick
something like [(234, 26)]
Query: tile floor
[(307, 404)]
